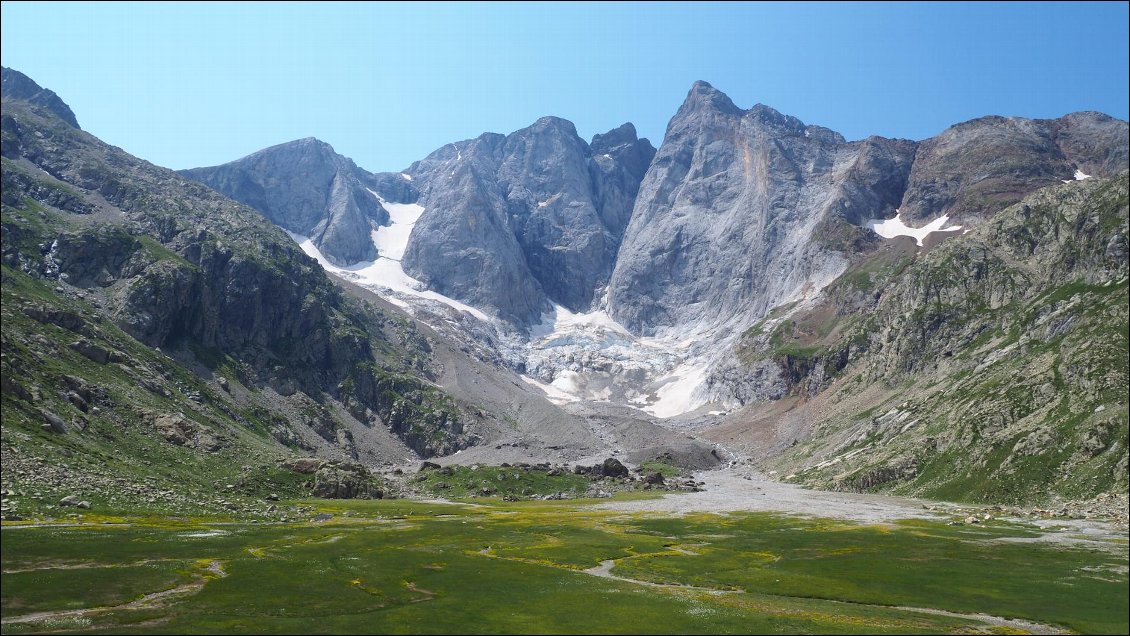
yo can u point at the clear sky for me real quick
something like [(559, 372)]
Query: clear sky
[(185, 85)]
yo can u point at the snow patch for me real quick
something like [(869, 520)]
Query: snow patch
[(385, 275), (561, 321), (1080, 175), (678, 391), (890, 228), (403, 175), (552, 393), (391, 241)]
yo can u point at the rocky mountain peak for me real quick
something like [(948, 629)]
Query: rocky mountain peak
[(703, 96), (975, 168), (539, 213), (623, 134), (306, 188), (556, 124), (633, 154), (16, 85), (769, 117)]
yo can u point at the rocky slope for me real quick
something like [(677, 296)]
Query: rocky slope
[(307, 188), (16, 85), (513, 223), (992, 367), (976, 168), (166, 343)]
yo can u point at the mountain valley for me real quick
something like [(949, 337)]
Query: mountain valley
[(756, 283), (532, 375)]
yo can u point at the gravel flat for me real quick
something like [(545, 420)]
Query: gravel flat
[(741, 488)]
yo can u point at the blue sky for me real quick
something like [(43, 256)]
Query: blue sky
[(186, 85)]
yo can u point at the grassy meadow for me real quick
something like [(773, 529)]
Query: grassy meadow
[(404, 566)]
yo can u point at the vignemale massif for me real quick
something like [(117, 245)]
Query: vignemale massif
[(756, 289)]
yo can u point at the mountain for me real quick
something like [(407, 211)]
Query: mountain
[(161, 340), (743, 210), (993, 367), (16, 85), (510, 223), (515, 222), (306, 188), (140, 256), (974, 169), (943, 317)]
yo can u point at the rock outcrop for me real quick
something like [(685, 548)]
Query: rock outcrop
[(731, 217), (307, 188), (993, 365), (743, 210), (974, 169), (16, 85), (515, 222)]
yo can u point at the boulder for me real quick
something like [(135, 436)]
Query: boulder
[(613, 468)]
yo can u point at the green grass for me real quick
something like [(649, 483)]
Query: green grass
[(459, 482), (60, 587), (667, 470), (413, 567)]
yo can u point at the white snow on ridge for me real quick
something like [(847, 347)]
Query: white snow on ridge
[(403, 175), (1079, 176), (391, 241), (890, 228), (385, 275)]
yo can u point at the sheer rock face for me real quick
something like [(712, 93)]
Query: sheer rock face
[(307, 188), (515, 222), (743, 210), (733, 216), (973, 169), (738, 212)]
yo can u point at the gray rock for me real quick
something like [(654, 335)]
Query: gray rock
[(54, 422), (741, 209), (70, 500), (976, 168), (514, 221), (613, 468), (16, 85), (98, 354), (303, 465), (307, 188), (348, 481)]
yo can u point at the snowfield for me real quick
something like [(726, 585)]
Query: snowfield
[(385, 275), (890, 228)]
